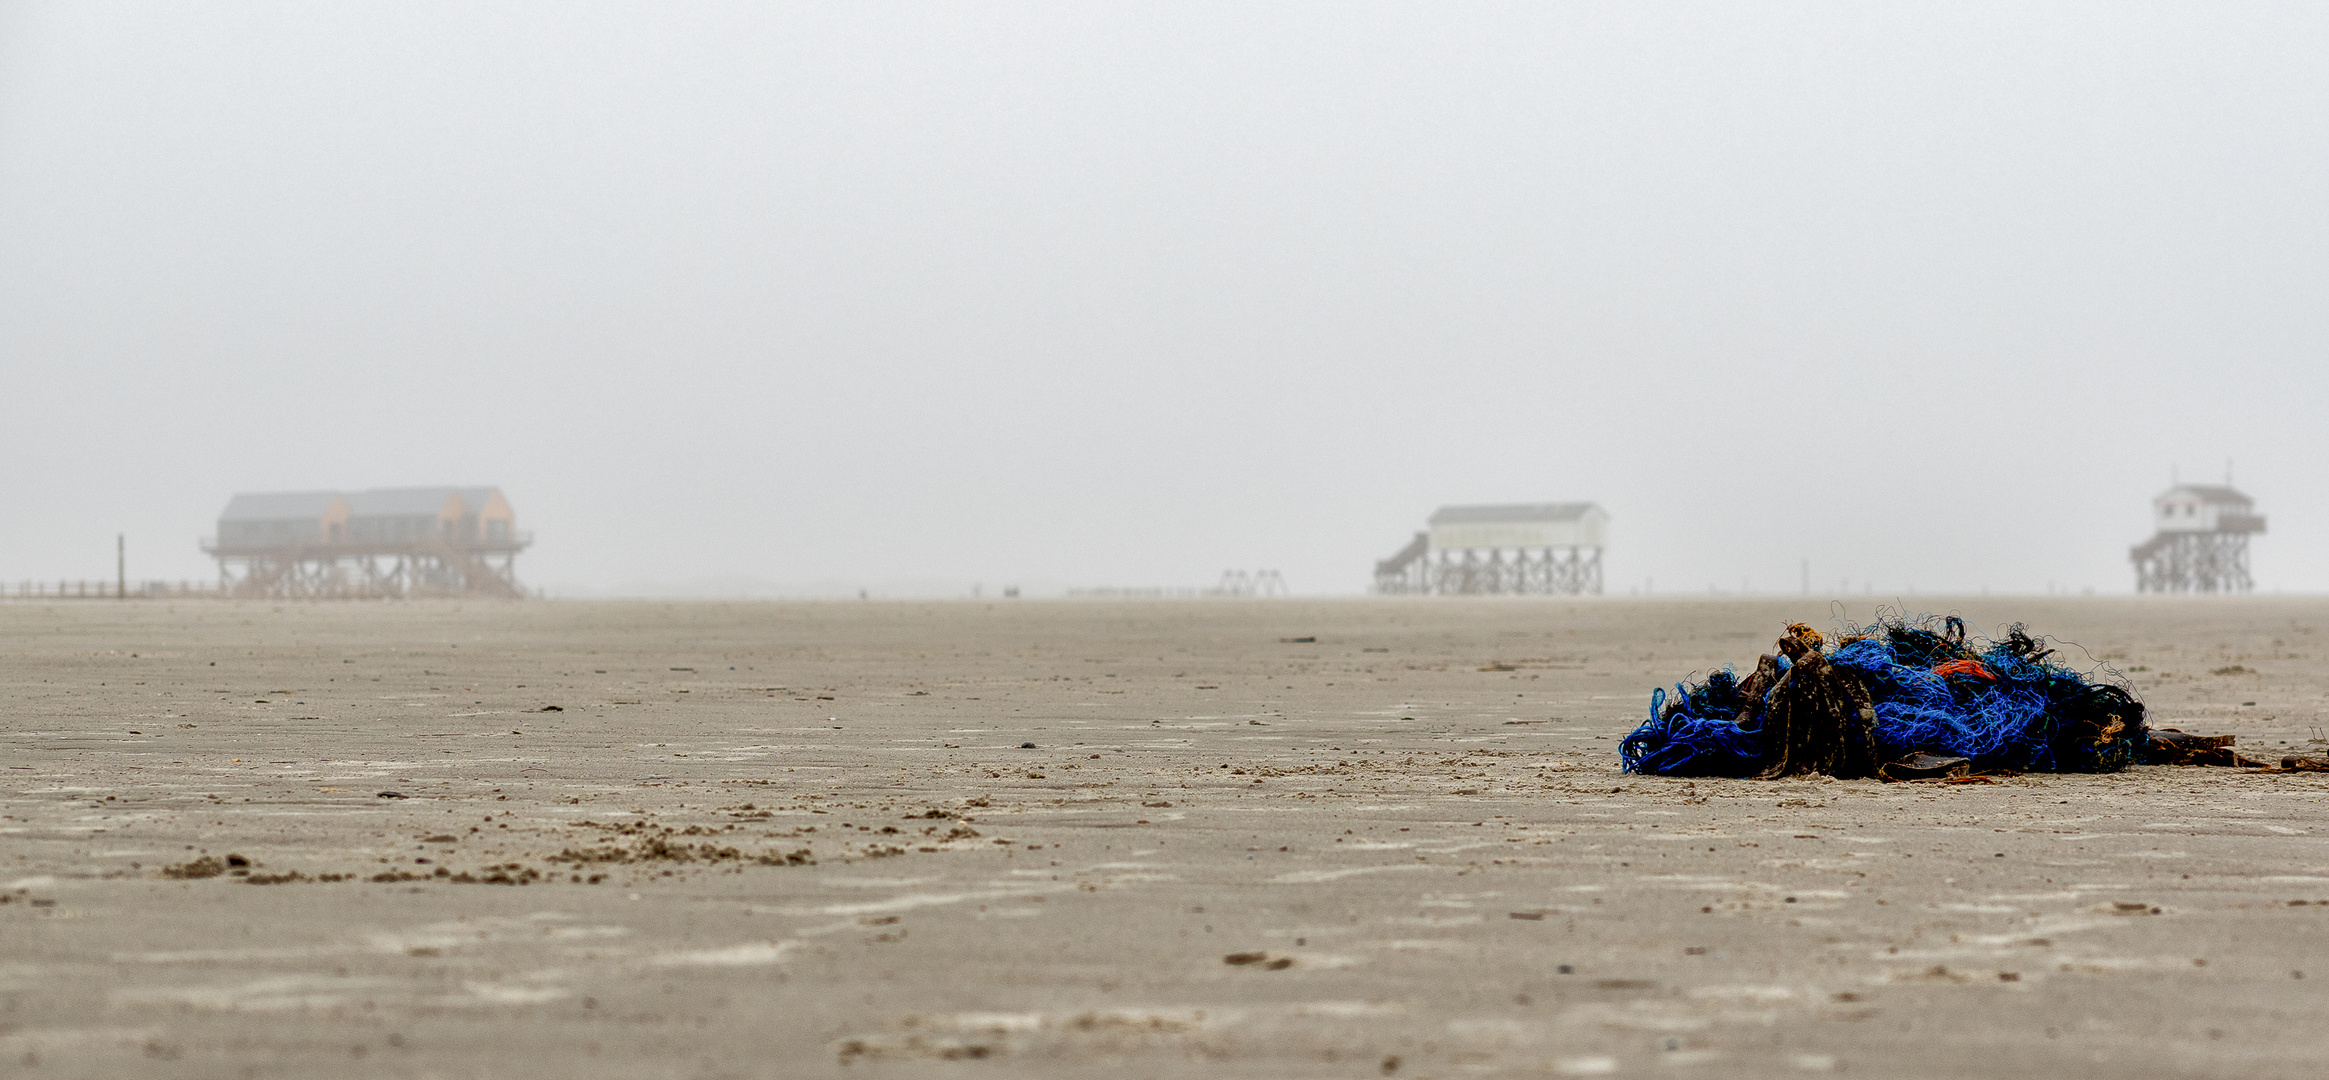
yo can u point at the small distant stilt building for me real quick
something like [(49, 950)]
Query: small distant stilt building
[(2202, 542), (385, 543)]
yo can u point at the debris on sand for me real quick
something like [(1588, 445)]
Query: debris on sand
[(504, 874), (915, 1048), (2172, 747), (241, 868), (289, 877), (657, 844), (208, 866), (1923, 765), (1898, 699), (1259, 960)]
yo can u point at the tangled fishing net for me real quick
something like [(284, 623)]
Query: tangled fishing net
[(1901, 699)]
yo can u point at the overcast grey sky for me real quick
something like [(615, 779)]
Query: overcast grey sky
[(1934, 295)]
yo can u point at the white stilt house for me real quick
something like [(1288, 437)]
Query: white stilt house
[(1524, 548), (2201, 545)]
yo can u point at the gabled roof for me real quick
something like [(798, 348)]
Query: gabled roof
[(399, 502), (1511, 513), (2213, 494), (373, 503), (279, 506)]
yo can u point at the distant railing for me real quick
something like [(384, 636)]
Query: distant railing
[(512, 541), (1236, 583), (100, 589), (1154, 592)]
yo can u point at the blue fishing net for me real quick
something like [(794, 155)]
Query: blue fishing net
[(2008, 705)]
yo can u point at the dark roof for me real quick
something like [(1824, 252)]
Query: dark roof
[(375, 502), (399, 502), (2215, 494), (1511, 513), (279, 506)]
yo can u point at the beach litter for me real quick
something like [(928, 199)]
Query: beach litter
[(2172, 747), (1908, 699)]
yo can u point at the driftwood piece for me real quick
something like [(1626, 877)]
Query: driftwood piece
[(2171, 747), (1925, 765), (1819, 720), (1755, 691)]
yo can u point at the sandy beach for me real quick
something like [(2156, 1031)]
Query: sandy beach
[(1354, 838)]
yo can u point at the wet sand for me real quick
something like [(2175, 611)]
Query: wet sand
[(808, 839)]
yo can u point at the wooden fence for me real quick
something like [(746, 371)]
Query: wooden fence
[(101, 589)]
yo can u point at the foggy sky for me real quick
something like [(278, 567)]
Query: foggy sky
[(1121, 294)]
